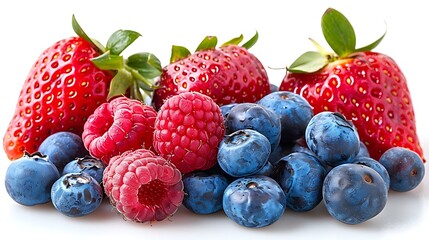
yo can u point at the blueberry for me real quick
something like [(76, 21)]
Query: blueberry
[(243, 152), (30, 178), (257, 117), (294, 112), (273, 87), (377, 166), (301, 177), (280, 151), (76, 194), (405, 168), (93, 166), (63, 147), (354, 193), (225, 109), (332, 138), (254, 202), (266, 170), (204, 192), (363, 150)]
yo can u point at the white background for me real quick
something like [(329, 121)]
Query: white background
[(29, 27)]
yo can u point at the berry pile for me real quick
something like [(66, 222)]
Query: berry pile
[(219, 136)]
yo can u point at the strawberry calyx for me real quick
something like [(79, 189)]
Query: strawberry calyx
[(134, 75), (210, 43), (340, 36)]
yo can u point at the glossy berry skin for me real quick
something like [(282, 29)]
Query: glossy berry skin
[(90, 165), (254, 202), (63, 147), (256, 117), (204, 192), (377, 166), (405, 168), (142, 186), (301, 176), (227, 74), (117, 126), (188, 130), (243, 153), (294, 112), (332, 138), (369, 89), (29, 179), (62, 89), (354, 193), (76, 194)]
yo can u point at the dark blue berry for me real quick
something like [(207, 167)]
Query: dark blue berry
[(405, 168), (332, 138), (354, 193), (254, 202), (243, 152), (377, 166), (363, 150), (30, 178), (76, 194), (63, 147), (93, 166), (204, 192)]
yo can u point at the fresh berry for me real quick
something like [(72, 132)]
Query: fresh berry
[(188, 130), (273, 88), (332, 138), (117, 126), (90, 165), (243, 153), (143, 187), (30, 178), (405, 168), (63, 147), (354, 193), (256, 117), (376, 165), (301, 177), (204, 192), (227, 74), (68, 81), (254, 202), (294, 112), (266, 170), (367, 87), (76, 194), (363, 150)]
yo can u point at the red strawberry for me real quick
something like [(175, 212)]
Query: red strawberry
[(117, 126), (68, 81), (188, 130), (367, 87), (227, 74)]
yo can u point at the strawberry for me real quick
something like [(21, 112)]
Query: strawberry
[(367, 87), (68, 81), (227, 74)]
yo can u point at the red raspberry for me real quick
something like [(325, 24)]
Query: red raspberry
[(120, 125), (188, 130), (142, 186)]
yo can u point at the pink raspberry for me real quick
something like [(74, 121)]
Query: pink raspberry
[(188, 130), (117, 126), (142, 186)]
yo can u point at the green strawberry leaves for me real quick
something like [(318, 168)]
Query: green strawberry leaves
[(134, 75), (340, 36)]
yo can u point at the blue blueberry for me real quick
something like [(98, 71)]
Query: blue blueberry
[(273, 87), (76, 194), (266, 170), (354, 193), (280, 151), (332, 138), (363, 150), (63, 147), (30, 178), (377, 166), (204, 192), (294, 112), (243, 152), (257, 117), (225, 109), (405, 168), (254, 202), (93, 166), (301, 177)]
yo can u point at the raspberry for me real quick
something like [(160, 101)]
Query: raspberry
[(188, 130), (142, 186), (120, 125)]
